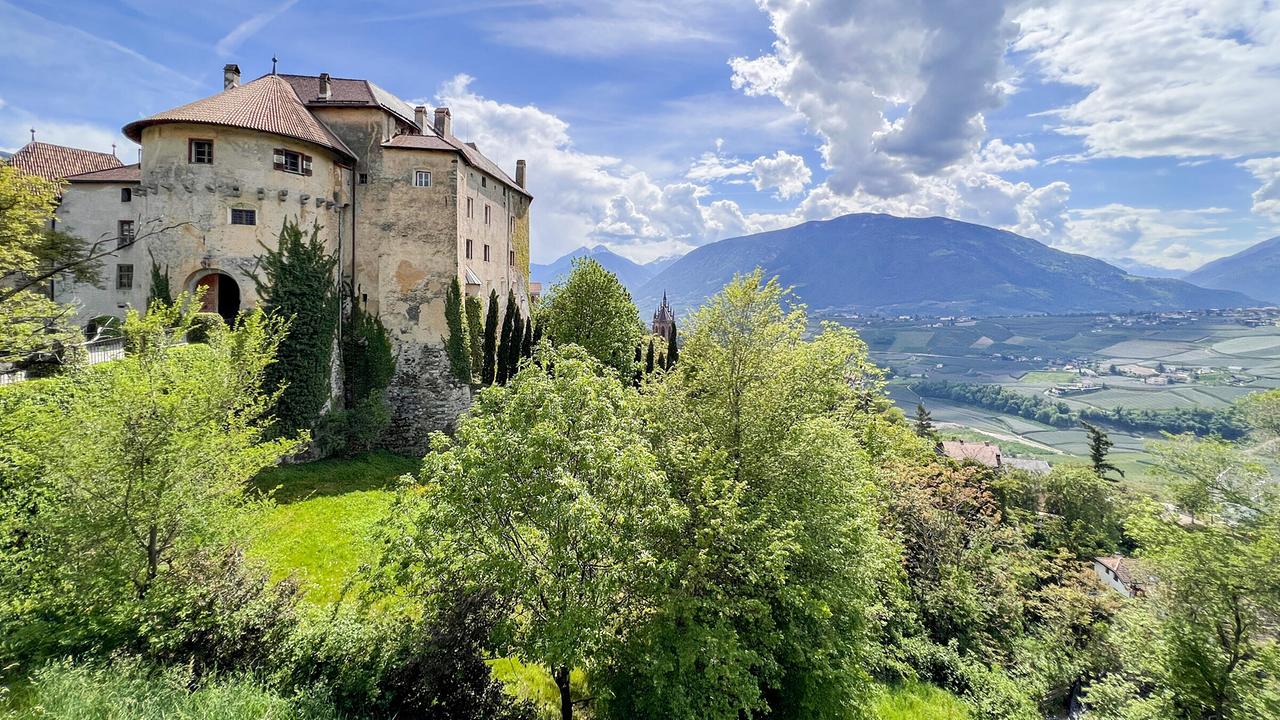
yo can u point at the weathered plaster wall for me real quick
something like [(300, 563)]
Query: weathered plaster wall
[(92, 211)]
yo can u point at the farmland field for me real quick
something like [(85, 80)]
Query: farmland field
[(1219, 360)]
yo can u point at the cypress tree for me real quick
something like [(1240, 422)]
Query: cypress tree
[(458, 344), (636, 377), (537, 334), (648, 359), (502, 359), (514, 347), (475, 331), (924, 422), (159, 283), (489, 369), (673, 348), (526, 346)]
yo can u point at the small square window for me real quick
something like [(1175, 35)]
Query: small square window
[(124, 277), (240, 216), (421, 178), (126, 194), (486, 252), (364, 178), (200, 152), (124, 233), (469, 248)]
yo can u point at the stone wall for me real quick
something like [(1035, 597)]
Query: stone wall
[(424, 398)]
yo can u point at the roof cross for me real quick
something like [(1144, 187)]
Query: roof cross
[(273, 64)]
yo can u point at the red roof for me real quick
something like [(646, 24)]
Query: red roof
[(347, 92), (123, 174), (983, 452), (268, 104), (430, 141), (55, 162)]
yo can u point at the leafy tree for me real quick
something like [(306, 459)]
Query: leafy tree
[(1210, 476), (489, 370), (566, 535), (458, 344), (637, 365), (592, 309), (475, 332), (673, 347), (297, 285), (368, 363), (160, 290), (924, 423), (1099, 446), (1261, 411), (768, 610), (1083, 516)]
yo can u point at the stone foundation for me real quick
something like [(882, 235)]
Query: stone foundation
[(424, 397)]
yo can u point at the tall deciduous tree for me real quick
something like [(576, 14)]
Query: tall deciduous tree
[(489, 371), (592, 309), (297, 285), (458, 345), (568, 531)]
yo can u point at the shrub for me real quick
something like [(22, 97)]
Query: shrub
[(367, 357), (356, 430), (203, 325)]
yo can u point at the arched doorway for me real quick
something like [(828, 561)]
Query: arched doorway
[(222, 295)]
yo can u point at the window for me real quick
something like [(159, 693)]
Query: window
[(200, 152), (486, 252), (469, 248), (364, 178), (124, 233), (486, 213), (126, 195), (471, 208), (484, 181), (421, 178), (124, 277), (292, 162), (511, 257), (240, 216)]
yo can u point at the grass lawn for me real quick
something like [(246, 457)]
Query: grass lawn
[(325, 511), (918, 701)]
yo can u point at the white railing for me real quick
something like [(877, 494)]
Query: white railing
[(96, 351)]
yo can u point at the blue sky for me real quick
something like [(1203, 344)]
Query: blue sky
[(1143, 132)]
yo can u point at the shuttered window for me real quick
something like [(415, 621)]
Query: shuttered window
[(292, 162), (200, 152)]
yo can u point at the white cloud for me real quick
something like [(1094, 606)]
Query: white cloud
[(584, 198), (1266, 199), (247, 29), (1180, 78), (895, 88), (1168, 239), (786, 172)]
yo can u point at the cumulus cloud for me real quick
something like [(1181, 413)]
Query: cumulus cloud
[(895, 88), (1166, 239), (785, 172), (1266, 199), (585, 198), (1178, 78)]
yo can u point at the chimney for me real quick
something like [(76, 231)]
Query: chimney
[(326, 89), (230, 76), (420, 117), (520, 173), (444, 122)]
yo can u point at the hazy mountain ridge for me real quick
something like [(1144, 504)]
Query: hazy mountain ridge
[(630, 273), (1254, 271), (924, 265)]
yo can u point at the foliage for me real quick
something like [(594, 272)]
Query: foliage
[(924, 423), (1210, 477), (918, 701), (767, 611), (458, 344), (137, 466), (1199, 420), (1099, 446), (297, 285), (204, 325), (548, 499), (489, 369), (160, 290), (1070, 508), (512, 333), (475, 332), (368, 360), (354, 430), (29, 321), (673, 346), (592, 309), (130, 690)]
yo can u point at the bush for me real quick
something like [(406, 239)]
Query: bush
[(104, 327), (129, 690), (990, 692), (203, 325), (356, 430)]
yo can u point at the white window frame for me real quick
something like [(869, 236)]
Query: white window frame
[(419, 176)]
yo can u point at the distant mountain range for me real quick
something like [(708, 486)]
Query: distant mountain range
[(873, 262), (631, 274), (1254, 271)]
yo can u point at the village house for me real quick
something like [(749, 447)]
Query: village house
[(1121, 574), (983, 453), (405, 206)]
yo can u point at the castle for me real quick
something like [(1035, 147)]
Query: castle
[(405, 206)]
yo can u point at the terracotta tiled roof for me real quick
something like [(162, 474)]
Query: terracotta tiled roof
[(123, 174), (54, 162), (1126, 570), (347, 92), (984, 452), (430, 141), (268, 104)]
